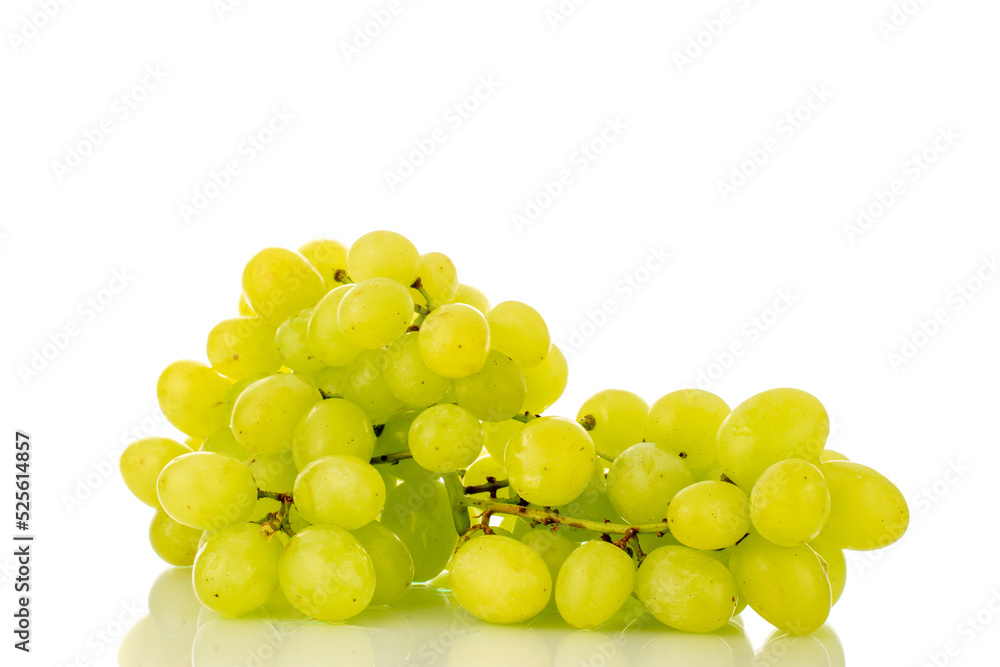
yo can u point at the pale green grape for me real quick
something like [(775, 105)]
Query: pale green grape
[(327, 257), (274, 472), (790, 503), (438, 278), (593, 584), (192, 398), (324, 337), (495, 392), (326, 573), (174, 543), (455, 340), (339, 490), (408, 377), (552, 546), (836, 565), (471, 296), (237, 569), (550, 461), (375, 312), (514, 527), (395, 438), (193, 443), (333, 426), (365, 386), (330, 381), (686, 589), (652, 541), (545, 382), (643, 480), (243, 308), (143, 460), (867, 511), (234, 392), (787, 586), (772, 426), (517, 330), (267, 411), (619, 420), (445, 438), (291, 341), (241, 347), (593, 505), (828, 455), (173, 604), (383, 254), (224, 442), (499, 579), (278, 283), (206, 490), (391, 560), (496, 435), (419, 513), (686, 422), (709, 515)]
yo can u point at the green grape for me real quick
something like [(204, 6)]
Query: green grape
[(593, 505), (471, 296), (651, 541), (278, 283), (326, 573), (365, 386), (173, 604), (712, 474), (375, 312), (836, 565), (174, 543), (233, 394), (787, 586), (867, 511), (278, 608), (333, 426), (193, 443), (419, 513), (224, 442), (192, 398), (206, 490), (327, 257), (593, 584), (243, 308), (828, 455), (496, 435), (618, 417), (445, 438), (545, 382), (772, 426), (241, 347), (341, 491), (438, 278), (685, 422), (408, 377), (455, 340), (499, 579), (291, 341), (643, 480), (395, 438), (143, 460), (494, 393), (686, 589), (391, 560), (709, 515), (550, 461), (267, 411), (514, 527), (274, 472), (553, 547), (383, 254), (790, 503), (237, 569), (331, 380), (517, 330), (324, 337)]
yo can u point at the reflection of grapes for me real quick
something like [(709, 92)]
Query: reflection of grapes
[(368, 421)]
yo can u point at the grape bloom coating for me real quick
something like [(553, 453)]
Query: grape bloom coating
[(366, 421)]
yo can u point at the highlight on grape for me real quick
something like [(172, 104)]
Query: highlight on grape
[(366, 422)]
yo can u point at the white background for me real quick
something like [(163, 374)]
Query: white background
[(856, 298)]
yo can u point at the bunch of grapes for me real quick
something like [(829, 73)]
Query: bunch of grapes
[(368, 422)]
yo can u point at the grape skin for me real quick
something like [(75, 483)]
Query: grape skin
[(550, 461), (499, 579), (234, 591), (686, 589), (141, 463), (206, 490), (341, 491), (593, 584), (643, 480)]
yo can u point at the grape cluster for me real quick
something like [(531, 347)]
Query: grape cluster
[(368, 421)]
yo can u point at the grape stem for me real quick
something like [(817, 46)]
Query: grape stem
[(391, 458), (525, 417), (340, 275), (547, 518), (490, 487), (274, 495)]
